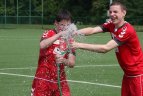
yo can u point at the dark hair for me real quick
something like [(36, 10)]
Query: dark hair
[(63, 15), (119, 3)]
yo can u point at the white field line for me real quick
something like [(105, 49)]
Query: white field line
[(100, 84), (27, 38), (17, 68), (18, 39), (31, 36), (74, 81), (113, 65)]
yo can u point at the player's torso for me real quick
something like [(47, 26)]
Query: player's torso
[(129, 54), (47, 55)]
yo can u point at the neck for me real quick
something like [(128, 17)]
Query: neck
[(57, 31), (120, 24)]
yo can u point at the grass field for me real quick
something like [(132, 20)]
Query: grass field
[(94, 74)]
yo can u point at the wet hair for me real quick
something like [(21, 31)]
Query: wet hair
[(63, 15), (119, 3)]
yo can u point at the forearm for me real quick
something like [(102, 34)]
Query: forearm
[(93, 47), (100, 48), (90, 30), (47, 42)]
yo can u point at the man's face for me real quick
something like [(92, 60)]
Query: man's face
[(62, 25), (117, 14)]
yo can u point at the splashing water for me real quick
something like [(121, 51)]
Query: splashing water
[(68, 36), (69, 31)]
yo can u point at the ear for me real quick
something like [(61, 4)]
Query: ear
[(124, 12), (55, 23)]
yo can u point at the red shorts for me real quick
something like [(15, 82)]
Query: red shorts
[(132, 86), (44, 85)]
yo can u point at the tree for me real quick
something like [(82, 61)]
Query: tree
[(99, 10), (86, 11)]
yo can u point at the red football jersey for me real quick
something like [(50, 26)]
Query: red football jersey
[(129, 52), (45, 82), (47, 55)]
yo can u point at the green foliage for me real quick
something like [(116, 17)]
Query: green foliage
[(84, 11), (2, 10)]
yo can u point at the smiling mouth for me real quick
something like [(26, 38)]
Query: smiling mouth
[(113, 18)]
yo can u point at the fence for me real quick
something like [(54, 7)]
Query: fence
[(14, 12)]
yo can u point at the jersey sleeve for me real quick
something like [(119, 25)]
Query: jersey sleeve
[(117, 41), (106, 26), (47, 34)]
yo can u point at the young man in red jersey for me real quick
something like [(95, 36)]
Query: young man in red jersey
[(54, 51), (127, 47)]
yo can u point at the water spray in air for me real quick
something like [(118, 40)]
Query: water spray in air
[(67, 38)]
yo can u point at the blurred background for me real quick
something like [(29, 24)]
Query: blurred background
[(83, 11), (22, 22)]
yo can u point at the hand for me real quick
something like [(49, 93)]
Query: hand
[(74, 33), (62, 33), (59, 59), (77, 33), (74, 45)]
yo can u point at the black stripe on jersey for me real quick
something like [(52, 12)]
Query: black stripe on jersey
[(118, 42), (72, 52), (104, 29)]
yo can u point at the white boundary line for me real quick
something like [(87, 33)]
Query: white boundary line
[(5, 36), (17, 68), (112, 65), (28, 37), (18, 39), (82, 82)]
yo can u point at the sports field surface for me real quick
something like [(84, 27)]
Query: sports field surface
[(95, 74)]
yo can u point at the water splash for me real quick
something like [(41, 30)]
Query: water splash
[(69, 31), (69, 34)]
